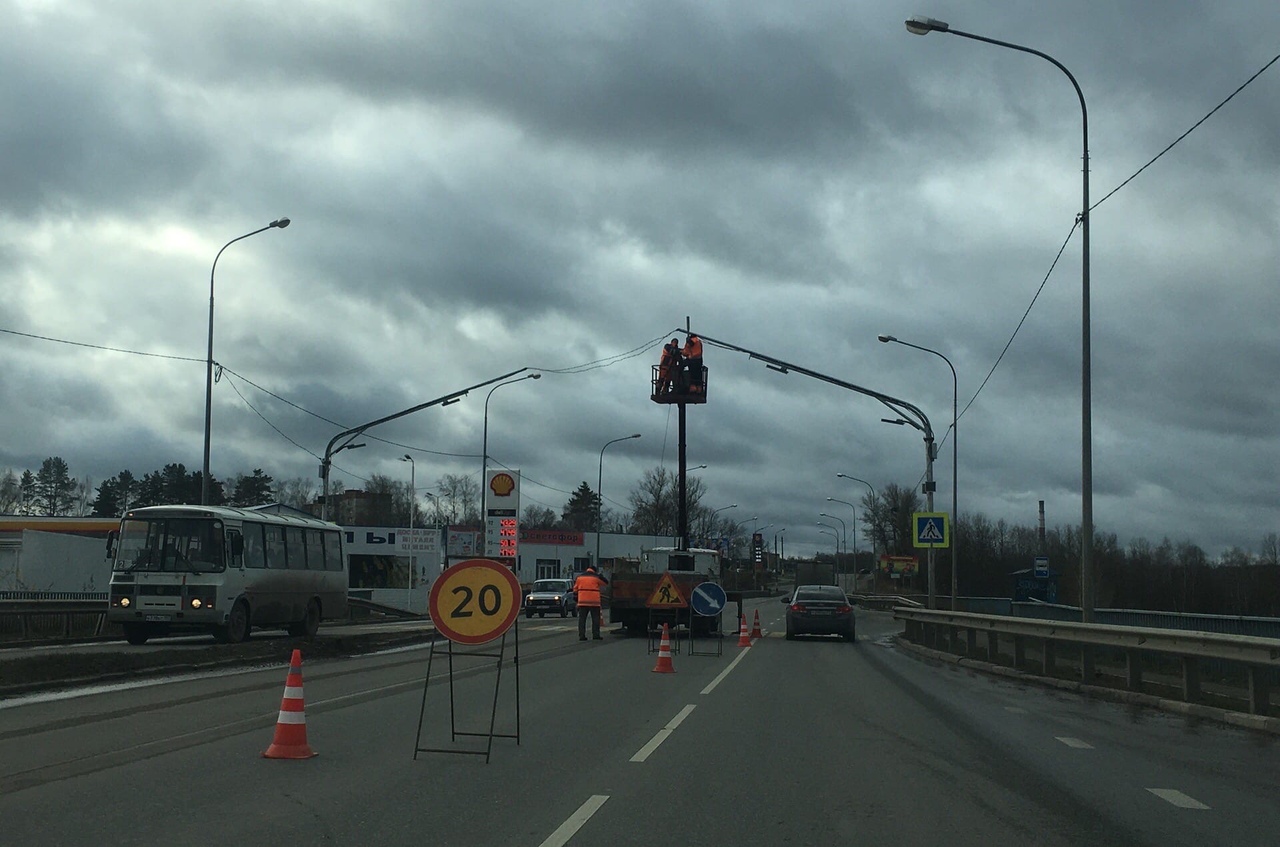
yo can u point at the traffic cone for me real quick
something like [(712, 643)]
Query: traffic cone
[(755, 628), (744, 640), (664, 653), (290, 741)]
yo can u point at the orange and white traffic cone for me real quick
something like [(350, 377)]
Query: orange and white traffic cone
[(744, 640), (755, 628), (664, 653), (290, 741)]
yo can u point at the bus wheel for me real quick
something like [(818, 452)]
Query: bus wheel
[(308, 626), (136, 633), (237, 627)]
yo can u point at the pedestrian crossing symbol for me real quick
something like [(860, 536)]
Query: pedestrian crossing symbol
[(933, 529)]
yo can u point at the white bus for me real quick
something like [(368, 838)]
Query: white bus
[(224, 570)]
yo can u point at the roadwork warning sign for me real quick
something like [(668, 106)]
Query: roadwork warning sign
[(667, 595)]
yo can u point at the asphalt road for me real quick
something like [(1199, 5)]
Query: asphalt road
[(807, 742)]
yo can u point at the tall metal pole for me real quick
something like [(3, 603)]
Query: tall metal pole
[(413, 497), (955, 451), (923, 26), (280, 223), (600, 493), (484, 449)]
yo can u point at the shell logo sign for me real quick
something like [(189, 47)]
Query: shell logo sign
[(502, 485)]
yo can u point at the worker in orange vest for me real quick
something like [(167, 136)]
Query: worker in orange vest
[(587, 587), (669, 366), (692, 354)]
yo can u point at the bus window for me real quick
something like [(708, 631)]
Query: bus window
[(315, 550), (254, 549), (275, 547), (332, 551), (294, 547), (235, 548)]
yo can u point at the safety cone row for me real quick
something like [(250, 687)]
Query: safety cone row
[(744, 640), (664, 653), (755, 628), (290, 740)]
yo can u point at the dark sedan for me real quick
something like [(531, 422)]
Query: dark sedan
[(819, 610)]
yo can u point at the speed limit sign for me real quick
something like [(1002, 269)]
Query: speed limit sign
[(475, 601)]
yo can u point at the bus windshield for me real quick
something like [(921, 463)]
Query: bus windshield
[(178, 545)]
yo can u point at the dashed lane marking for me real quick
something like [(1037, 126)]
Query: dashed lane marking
[(662, 735), (1074, 742), (1177, 798), (570, 827)]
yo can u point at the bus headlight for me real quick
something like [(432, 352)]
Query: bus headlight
[(125, 602)]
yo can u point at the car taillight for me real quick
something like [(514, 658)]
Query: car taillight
[(796, 607), (844, 610)]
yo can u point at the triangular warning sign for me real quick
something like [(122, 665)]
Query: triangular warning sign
[(667, 595), (931, 531)]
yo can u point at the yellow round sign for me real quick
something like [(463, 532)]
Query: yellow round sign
[(475, 601)]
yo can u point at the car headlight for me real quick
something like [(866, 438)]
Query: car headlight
[(124, 602), (557, 598)]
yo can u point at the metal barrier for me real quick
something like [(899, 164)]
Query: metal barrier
[(34, 620), (1258, 657)]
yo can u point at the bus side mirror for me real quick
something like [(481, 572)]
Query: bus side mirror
[(112, 537)]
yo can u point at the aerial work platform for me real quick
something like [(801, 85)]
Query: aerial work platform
[(680, 388)]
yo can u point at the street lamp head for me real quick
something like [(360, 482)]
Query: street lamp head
[(921, 25), (637, 435), (898, 422), (281, 223), (885, 339), (406, 458), (534, 376)]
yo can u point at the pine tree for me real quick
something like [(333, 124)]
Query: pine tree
[(54, 487), (580, 512)]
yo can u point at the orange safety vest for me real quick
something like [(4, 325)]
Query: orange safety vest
[(693, 348), (587, 587), (670, 357)]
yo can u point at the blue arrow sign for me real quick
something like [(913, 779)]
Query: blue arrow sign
[(708, 599)]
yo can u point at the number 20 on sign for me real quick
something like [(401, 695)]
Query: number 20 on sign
[(475, 601)]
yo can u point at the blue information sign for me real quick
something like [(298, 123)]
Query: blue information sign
[(708, 599)]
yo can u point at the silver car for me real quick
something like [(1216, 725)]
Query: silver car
[(551, 595), (820, 610)]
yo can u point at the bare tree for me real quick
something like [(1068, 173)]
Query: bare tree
[(297, 492), (459, 499), (10, 493)]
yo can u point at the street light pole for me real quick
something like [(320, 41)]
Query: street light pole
[(923, 26), (955, 451), (854, 524), (929, 487), (600, 494), (279, 223), (413, 498), (484, 448)]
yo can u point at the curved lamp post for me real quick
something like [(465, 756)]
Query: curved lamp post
[(600, 495), (955, 450), (279, 223), (484, 448), (921, 25)]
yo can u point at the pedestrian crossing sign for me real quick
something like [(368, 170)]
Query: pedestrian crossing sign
[(667, 595), (933, 529)]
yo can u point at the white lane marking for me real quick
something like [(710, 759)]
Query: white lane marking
[(1074, 742), (1017, 710), (567, 829), (662, 735), (1177, 798), (711, 686)]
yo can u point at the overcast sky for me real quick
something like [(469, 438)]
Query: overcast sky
[(477, 187)]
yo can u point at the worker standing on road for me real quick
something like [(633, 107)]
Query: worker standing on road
[(588, 587), (669, 366), (693, 359)]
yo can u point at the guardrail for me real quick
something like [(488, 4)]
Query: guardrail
[(883, 601), (1259, 658), (34, 620)]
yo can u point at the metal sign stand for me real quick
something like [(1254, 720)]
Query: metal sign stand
[(717, 636), (657, 617), (493, 714)]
